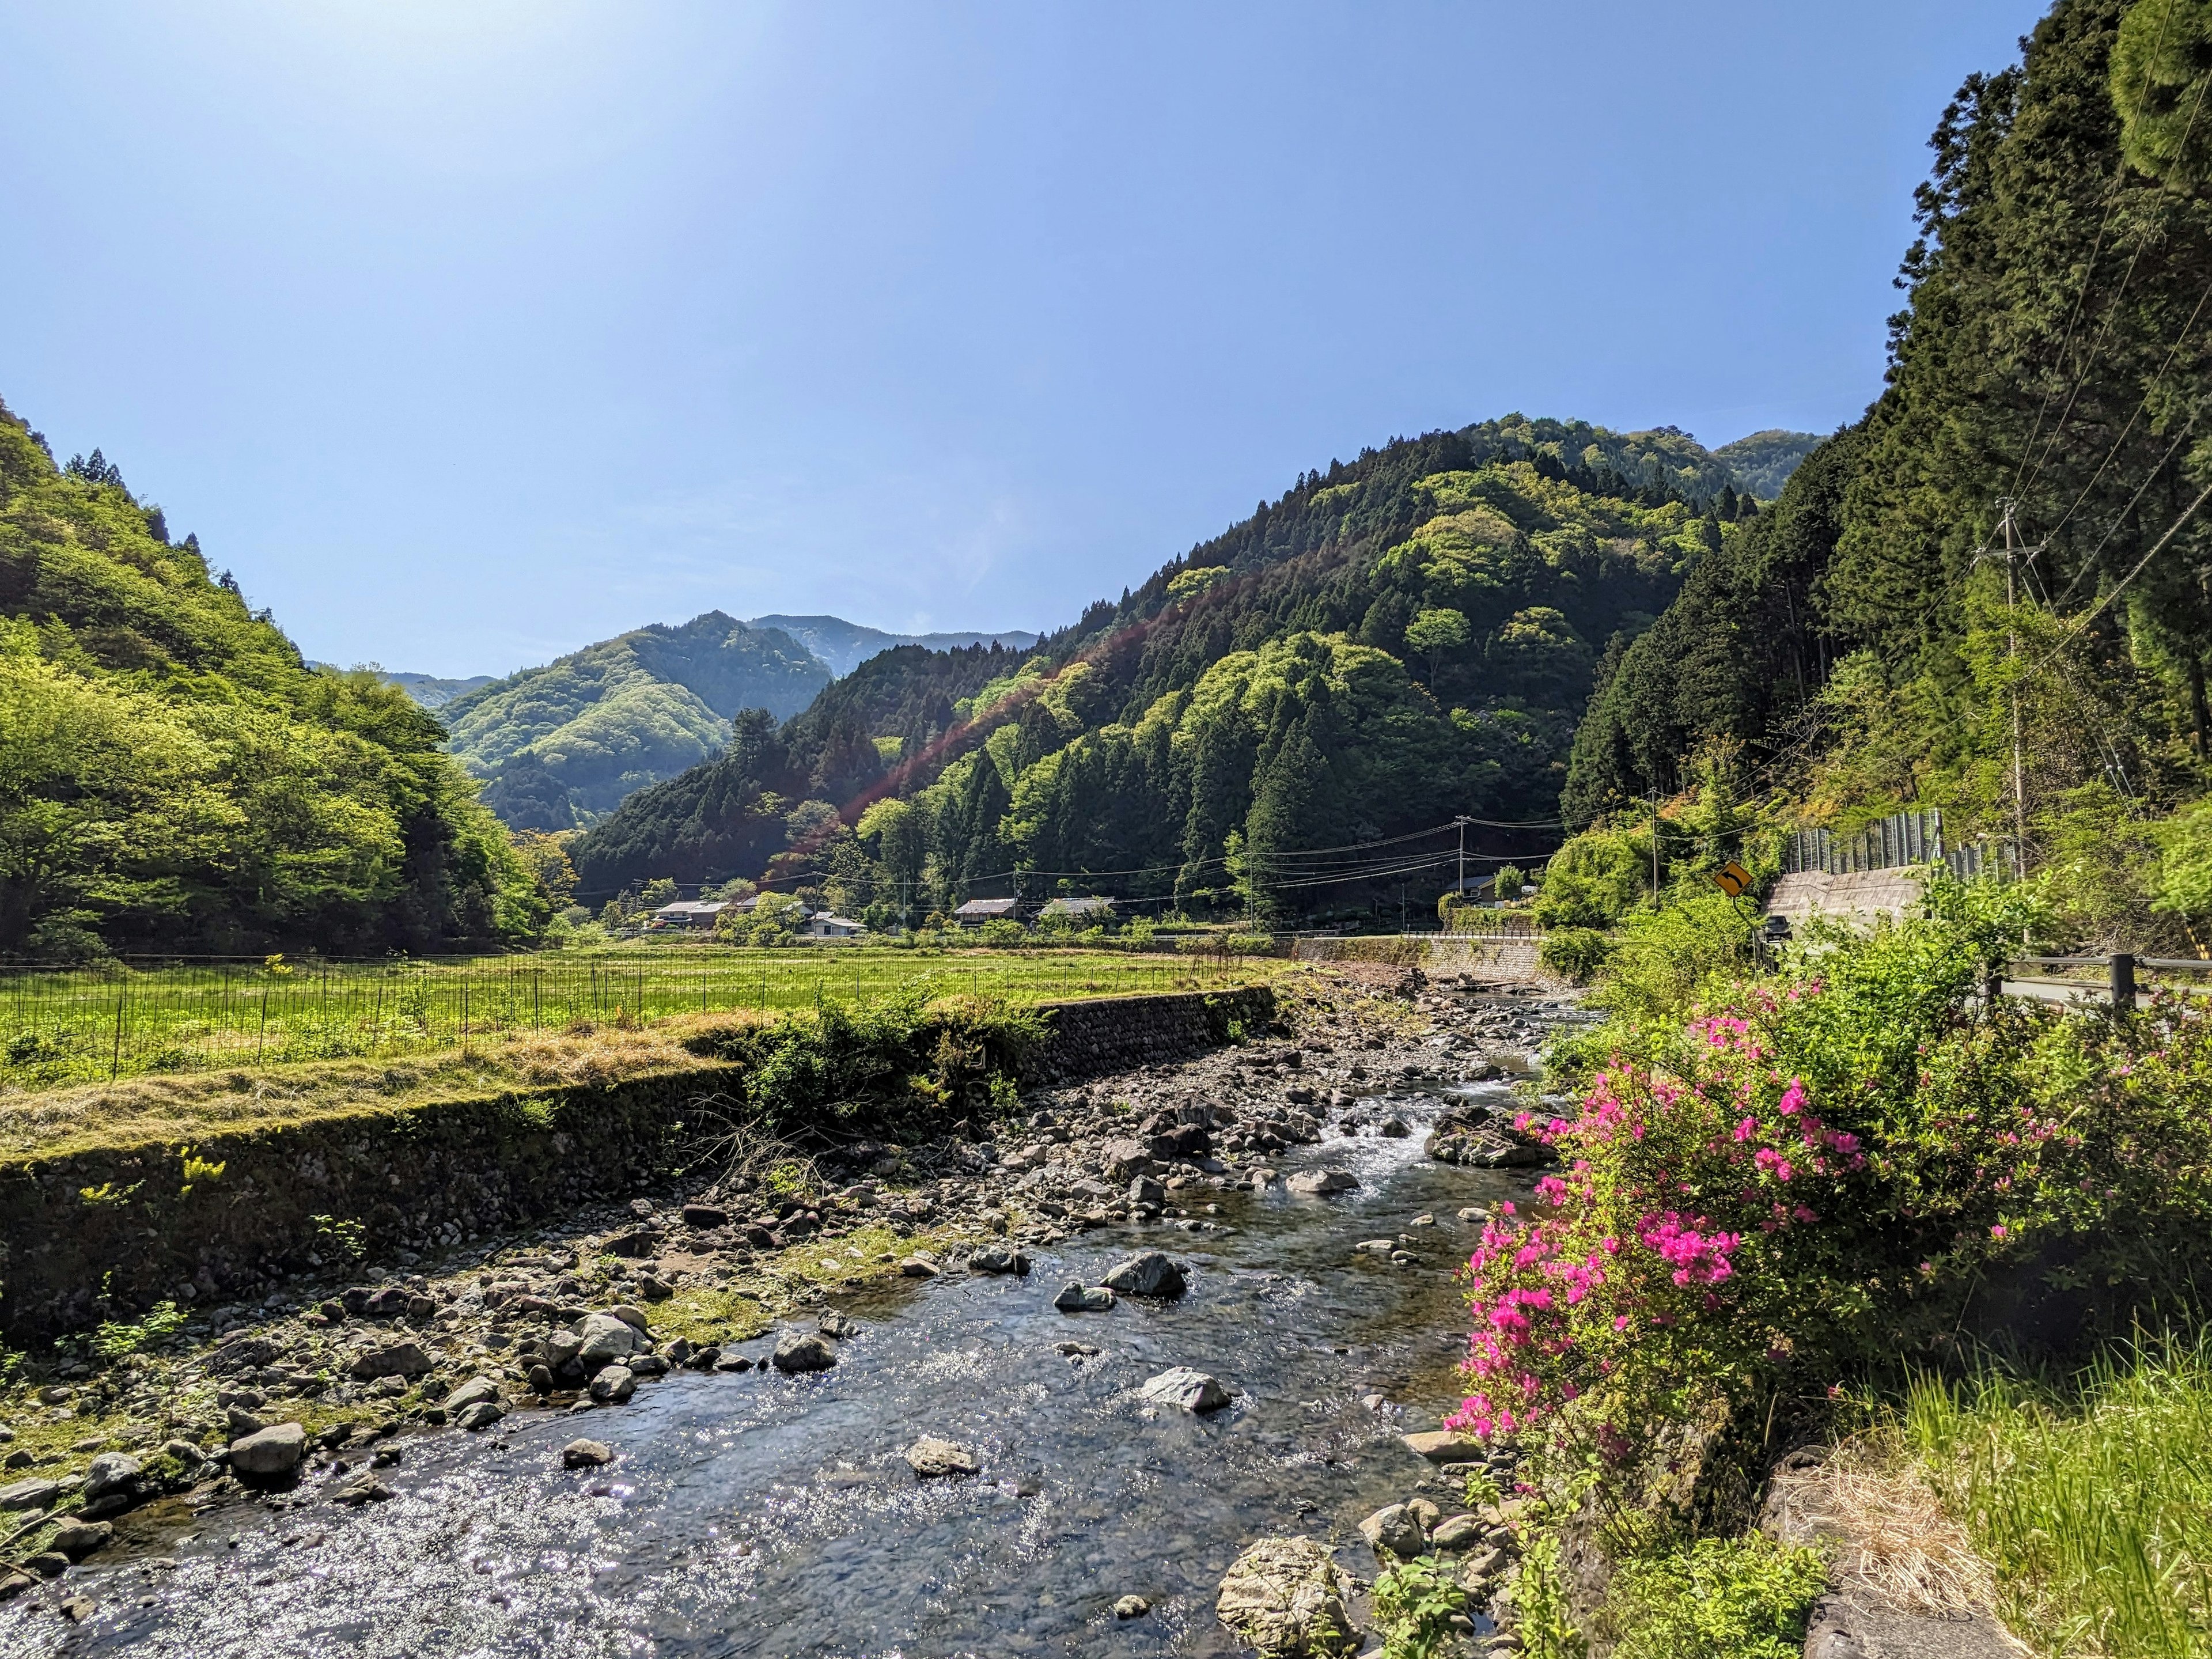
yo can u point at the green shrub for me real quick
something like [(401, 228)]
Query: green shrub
[(1717, 1598), (1416, 1601), (1577, 954)]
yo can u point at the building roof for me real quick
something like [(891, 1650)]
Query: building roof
[(684, 908), (825, 919), (1078, 906), (987, 908)]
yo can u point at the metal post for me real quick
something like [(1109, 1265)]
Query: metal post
[(2124, 983)]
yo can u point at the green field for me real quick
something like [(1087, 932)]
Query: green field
[(58, 1027)]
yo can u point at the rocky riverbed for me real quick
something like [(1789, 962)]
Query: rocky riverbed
[(1036, 1387)]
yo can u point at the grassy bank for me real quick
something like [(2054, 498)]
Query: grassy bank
[(2090, 1496), (59, 1030)]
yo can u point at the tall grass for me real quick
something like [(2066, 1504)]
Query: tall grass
[(59, 1027), (2091, 1497)]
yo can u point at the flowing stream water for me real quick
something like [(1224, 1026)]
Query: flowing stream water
[(757, 1514)]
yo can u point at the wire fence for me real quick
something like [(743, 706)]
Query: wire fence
[(67, 1025)]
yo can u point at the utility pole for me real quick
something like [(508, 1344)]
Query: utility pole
[(2012, 656), (1461, 892), (1655, 847)]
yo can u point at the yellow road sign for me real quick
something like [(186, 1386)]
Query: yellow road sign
[(1733, 880)]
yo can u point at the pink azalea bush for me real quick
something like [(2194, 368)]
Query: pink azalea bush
[(1810, 1172)]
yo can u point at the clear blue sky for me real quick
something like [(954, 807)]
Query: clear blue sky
[(466, 333)]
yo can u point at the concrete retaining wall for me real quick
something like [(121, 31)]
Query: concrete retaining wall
[(1862, 896), (107, 1234)]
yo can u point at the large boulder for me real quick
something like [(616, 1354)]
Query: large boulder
[(1284, 1598), (804, 1351), (1395, 1532), (998, 1258), (109, 1474), (33, 1492), (275, 1450), (1444, 1446), (1124, 1160), (1193, 1390), (1076, 1297), (1149, 1273), (392, 1359), (603, 1339), (1322, 1182), (932, 1459)]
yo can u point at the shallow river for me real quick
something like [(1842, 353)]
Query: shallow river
[(760, 1514)]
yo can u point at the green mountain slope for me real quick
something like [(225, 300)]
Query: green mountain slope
[(174, 778), (1884, 637), (561, 744), (1762, 462), (1392, 642), (845, 646)]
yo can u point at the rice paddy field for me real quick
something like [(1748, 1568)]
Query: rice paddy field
[(59, 1028)]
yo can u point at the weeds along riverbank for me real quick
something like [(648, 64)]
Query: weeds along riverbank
[(1796, 1197)]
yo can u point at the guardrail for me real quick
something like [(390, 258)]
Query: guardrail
[(2120, 986)]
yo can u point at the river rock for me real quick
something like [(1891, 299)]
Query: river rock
[(275, 1450), (362, 1491), (804, 1351), (34, 1494), (613, 1385), (1145, 1190), (13, 1582), (1075, 1297), (1394, 1531), (919, 1267), (1284, 1598), (109, 1474), (837, 1325), (586, 1455), (1131, 1606), (1322, 1181), (932, 1459), (1125, 1159), (604, 1339), (1444, 1446), (484, 1413), (1149, 1273), (705, 1216), (392, 1359), (998, 1258), (1461, 1532), (78, 1539), (471, 1392), (1193, 1390)]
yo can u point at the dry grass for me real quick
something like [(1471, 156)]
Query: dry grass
[(173, 1110), (1889, 1530)]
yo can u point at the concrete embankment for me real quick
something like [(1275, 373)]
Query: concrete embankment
[(107, 1231)]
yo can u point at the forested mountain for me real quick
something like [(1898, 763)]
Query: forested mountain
[(1762, 462), (561, 744), (1392, 642), (1864, 644), (174, 778), (431, 690), (844, 646)]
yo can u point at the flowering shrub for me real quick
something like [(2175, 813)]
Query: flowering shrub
[(1813, 1169)]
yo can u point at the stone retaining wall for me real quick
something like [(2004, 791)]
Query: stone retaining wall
[(107, 1234), (1436, 953)]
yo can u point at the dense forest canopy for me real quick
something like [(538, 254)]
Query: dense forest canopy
[(174, 778), (1394, 641), (2009, 546)]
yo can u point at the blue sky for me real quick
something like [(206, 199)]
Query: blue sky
[(467, 334)]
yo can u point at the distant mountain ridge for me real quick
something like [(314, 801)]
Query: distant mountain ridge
[(845, 646), (561, 745), (1764, 460)]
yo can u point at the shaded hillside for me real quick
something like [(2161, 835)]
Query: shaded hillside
[(845, 646), (1393, 640), (1862, 646), (561, 744), (430, 690), (174, 777), (1762, 462)]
